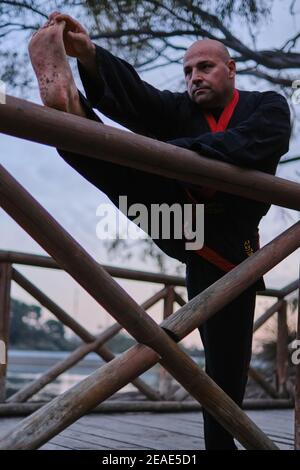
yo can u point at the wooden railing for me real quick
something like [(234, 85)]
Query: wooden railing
[(156, 343), (91, 343)]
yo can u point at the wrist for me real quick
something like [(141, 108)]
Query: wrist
[(88, 58)]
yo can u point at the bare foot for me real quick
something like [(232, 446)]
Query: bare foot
[(48, 57)]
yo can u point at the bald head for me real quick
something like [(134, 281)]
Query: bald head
[(210, 46), (209, 73)]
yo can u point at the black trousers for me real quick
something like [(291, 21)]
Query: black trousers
[(227, 340), (227, 336)]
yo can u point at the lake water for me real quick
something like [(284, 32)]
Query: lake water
[(26, 366)]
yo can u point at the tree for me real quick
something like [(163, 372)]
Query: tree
[(28, 331)]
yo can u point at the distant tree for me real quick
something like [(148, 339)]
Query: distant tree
[(27, 331), (21, 316)]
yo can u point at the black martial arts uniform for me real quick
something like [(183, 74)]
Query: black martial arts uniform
[(256, 136)]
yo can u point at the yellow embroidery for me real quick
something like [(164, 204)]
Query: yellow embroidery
[(248, 248)]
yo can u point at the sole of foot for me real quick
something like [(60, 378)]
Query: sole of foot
[(49, 60)]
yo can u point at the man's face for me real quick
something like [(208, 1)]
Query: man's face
[(209, 76)]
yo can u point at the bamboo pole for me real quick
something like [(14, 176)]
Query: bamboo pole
[(257, 376), (179, 299), (15, 257), (122, 273), (290, 288), (233, 283), (80, 135), (254, 374), (80, 331), (39, 224), (282, 352), (5, 286), (120, 406), (165, 379), (267, 314)]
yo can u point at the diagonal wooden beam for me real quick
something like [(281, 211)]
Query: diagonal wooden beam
[(267, 314), (253, 373), (260, 380), (165, 379)]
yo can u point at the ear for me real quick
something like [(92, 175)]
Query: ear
[(231, 68)]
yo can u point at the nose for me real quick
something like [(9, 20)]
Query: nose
[(196, 76)]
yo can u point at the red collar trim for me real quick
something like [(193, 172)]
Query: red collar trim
[(225, 117)]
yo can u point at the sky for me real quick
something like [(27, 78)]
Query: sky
[(73, 202)]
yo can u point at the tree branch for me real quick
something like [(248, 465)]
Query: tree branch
[(284, 81), (22, 5), (289, 160)]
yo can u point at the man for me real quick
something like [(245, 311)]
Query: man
[(247, 129)]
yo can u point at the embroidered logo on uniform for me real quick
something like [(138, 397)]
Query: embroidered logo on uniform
[(248, 248)]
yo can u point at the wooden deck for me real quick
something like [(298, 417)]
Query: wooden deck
[(156, 431)]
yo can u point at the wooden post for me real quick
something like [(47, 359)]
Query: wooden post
[(297, 382), (165, 379), (282, 352), (5, 285)]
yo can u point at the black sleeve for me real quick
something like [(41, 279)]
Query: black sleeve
[(120, 94), (258, 142)]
